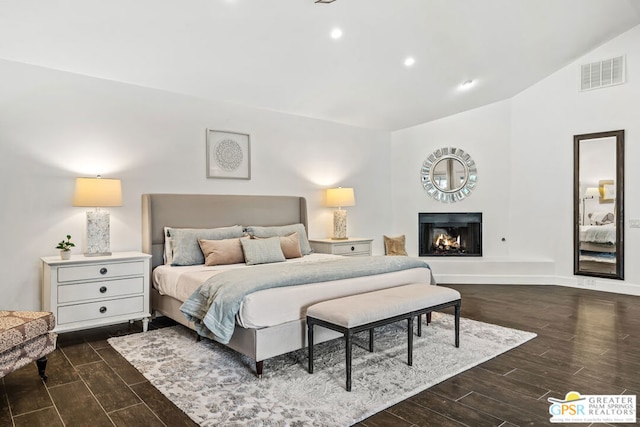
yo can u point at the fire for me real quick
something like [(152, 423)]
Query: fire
[(446, 242)]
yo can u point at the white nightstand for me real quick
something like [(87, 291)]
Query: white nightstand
[(85, 292), (350, 247)]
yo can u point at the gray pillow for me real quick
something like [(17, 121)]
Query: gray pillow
[(184, 242), (262, 251), (283, 230)]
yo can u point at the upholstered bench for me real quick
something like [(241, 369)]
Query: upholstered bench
[(25, 337), (352, 314)]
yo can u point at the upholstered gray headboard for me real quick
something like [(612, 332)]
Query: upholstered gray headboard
[(213, 210)]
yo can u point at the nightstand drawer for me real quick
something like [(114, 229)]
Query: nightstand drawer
[(100, 271), (99, 310), (351, 248), (105, 289)]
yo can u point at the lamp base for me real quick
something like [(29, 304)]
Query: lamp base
[(339, 225), (98, 233)]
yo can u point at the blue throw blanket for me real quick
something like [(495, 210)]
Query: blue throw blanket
[(214, 305)]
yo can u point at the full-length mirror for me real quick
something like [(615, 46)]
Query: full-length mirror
[(598, 204)]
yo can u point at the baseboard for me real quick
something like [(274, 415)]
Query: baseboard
[(493, 279), (581, 282)]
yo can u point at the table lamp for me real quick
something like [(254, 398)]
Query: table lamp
[(340, 197), (98, 192), (590, 193)]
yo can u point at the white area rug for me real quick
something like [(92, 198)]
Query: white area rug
[(217, 387)]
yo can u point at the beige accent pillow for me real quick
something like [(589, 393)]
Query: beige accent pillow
[(222, 252), (394, 245), (290, 245)]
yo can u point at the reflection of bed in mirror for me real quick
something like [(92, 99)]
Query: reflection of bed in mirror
[(598, 244)]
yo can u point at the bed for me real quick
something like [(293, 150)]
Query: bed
[(270, 321), (598, 244)]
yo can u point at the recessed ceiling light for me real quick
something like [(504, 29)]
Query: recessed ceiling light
[(336, 33), (409, 61), (467, 84)]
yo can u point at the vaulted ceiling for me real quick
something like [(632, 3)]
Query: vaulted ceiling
[(279, 54)]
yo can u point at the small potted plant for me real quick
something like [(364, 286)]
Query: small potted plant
[(65, 247)]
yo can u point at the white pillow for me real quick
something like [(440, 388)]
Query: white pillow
[(168, 253)]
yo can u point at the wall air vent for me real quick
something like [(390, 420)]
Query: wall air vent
[(608, 72)]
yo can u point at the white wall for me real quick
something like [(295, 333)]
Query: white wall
[(55, 126), (524, 151)]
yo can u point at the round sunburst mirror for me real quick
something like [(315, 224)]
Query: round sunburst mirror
[(449, 174)]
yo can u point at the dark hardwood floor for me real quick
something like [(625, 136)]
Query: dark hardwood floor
[(587, 341)]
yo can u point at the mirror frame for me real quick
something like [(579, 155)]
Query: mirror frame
[(618, 205), (460, 192)]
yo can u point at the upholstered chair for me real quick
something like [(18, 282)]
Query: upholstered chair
[(25, 337)]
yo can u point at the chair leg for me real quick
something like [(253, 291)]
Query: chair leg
[(42, 365)]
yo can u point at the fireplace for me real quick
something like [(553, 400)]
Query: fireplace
[(450, 234)]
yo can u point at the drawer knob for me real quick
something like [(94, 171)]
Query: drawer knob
[(103, 270), (103, 309), (353, 248), (103, 289)]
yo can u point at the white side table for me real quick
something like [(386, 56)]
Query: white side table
[(86, 292), (352, 246)]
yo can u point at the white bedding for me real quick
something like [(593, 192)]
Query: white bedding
[(598, 233), (271, 307)]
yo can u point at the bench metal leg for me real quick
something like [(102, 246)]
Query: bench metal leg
[(310, 339), (410, 339), (371, 340), (457, 315), (348, 344), (419, 325)]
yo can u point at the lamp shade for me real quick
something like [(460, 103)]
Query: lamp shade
[(592, 192), (338, 197), (97, 192)]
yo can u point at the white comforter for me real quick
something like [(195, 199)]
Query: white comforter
[(271, 307), (598, 233)]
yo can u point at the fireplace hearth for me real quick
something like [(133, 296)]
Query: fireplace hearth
[(450, 234)]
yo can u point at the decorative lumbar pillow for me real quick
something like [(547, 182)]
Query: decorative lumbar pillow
[(184, 242), (262, 251), (222, 252), (284, 230), (290, 245), (394, 245)]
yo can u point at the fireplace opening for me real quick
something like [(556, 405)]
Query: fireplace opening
[(450, 234)]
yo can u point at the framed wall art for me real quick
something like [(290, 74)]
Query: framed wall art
[(607, 189), (228, 155)]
